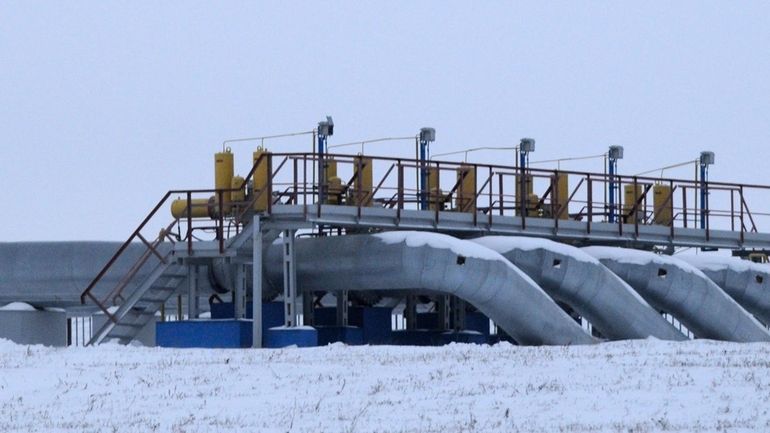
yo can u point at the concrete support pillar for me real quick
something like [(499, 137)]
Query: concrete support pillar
[(256, 283), (192, 292), (289, 280), (342, 308)]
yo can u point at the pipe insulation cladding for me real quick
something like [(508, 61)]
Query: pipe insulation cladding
[(435, 263), (575, 278), (673, 286)]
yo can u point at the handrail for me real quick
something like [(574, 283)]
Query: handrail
[(408, 193)]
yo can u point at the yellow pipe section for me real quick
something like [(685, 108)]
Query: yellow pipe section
[(223, 176), (261, 179), (199, 208)]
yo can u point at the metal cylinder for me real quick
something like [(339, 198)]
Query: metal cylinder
[(223, 175), (663, 204), (199, 208), (466, 191), (631, 196), (261, 179), (238, 196)]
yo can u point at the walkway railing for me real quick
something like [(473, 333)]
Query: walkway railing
[(482, 190)]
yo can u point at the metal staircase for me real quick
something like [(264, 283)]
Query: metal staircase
[(141, 306)]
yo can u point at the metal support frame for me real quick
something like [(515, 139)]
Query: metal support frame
[(704, 194), (410, 312), (193, 307), (291, 315), (444, 310), (342, 307), (239, 298), (256, 283), (458, 313), (308, 314)]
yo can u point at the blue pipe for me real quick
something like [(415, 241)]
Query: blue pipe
[(612, 167), (703, 195), (424, 150)]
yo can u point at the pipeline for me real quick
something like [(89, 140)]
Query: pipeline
[(673, 286), (575, 278)]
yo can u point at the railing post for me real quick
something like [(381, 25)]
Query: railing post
[(684, 205), (742, 224), (490, 196), (673, 214), (732, 209), (221, 230), (635, 209), (590, 203), (439, 199), (500, 192), (554, 200), (270, 184), (189, 224), (400, 192)]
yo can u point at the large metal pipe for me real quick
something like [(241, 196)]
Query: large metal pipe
[(435, 263), (579, 280), (54, 274), (746, 282), (673, 286)]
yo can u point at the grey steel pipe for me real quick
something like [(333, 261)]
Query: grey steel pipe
[(54, 274), (671, 285), (579, 280), (746, 282), (435, 263)]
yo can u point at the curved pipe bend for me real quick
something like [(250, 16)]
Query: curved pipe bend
[(432, 262), (575, 278), (746, 282), (671, 285)]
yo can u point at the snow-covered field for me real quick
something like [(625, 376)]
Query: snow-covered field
[(639, 386)]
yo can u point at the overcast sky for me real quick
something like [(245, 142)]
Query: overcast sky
[(104, 106)]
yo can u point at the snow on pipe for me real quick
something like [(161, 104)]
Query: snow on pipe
[(577, 279), (437, 263), (673, 286), (746, 282)]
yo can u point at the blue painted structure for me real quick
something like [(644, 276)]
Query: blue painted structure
[(227, 333)]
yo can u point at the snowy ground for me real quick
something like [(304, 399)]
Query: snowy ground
[(619, 387)]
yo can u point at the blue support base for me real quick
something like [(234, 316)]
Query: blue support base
[(204, 333), (275, 338), (424, 337), (375, 322), (351, 335), (272, 312)]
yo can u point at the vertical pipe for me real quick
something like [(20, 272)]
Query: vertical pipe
[(256, 283), (703, 195), (289, 279), (192, 292), (611, 193), (423, 163)]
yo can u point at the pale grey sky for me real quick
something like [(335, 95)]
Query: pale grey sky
[(107, 105)]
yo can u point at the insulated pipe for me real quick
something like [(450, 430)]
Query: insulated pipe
[(575, 278), (436, 263), (54, 274), (746, 282), (671, 285)]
